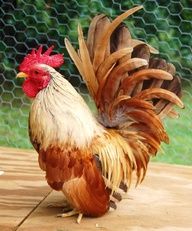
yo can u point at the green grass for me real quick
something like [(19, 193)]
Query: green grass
[(179, 150), (14, 132), (13, 127)]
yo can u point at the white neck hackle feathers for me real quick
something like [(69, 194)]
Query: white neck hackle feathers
[(60, 116)]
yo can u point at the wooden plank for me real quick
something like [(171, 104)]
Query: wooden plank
[(22, 186), (162, 202)]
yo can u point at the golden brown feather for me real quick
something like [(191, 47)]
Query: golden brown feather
[(134, 91)]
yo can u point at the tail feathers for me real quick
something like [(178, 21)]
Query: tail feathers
[(164, 106), (120, 38), (141, 51), (99, 24), (100, 49), (133, 92)]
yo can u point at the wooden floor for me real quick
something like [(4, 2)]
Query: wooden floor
[(162, 202)]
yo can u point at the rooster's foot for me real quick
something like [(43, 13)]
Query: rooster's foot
[(72, 213)]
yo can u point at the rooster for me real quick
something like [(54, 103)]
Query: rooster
[(91, 159)]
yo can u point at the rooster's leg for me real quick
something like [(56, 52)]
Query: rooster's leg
[(79, 218), (72, 213)]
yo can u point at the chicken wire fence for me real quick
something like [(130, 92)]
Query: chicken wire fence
[(166, 25)]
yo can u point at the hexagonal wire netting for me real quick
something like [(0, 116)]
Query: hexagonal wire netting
[(25, 24)]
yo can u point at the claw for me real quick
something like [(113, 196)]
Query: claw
[(68, 214), (72, 213)]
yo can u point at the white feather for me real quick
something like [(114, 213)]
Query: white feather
[(60, 115)]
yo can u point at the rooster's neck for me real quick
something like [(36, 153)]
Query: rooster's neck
[(59, 116)]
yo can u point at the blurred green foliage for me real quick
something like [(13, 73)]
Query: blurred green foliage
[(25, 24)]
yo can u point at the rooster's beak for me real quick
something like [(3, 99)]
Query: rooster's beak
[(21, 75)]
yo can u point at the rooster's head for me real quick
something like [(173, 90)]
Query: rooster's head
[(31, 68)]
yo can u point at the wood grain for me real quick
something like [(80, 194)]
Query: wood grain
[(162, 202), (22, 186)]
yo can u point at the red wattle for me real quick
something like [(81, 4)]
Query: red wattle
[(29, 88), (32, 88)]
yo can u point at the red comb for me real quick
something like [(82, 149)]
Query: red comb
[(36, 56)]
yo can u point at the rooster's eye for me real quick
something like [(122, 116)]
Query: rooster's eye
[(36, 72)]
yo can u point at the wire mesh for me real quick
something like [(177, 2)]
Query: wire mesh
[(25, 24)]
